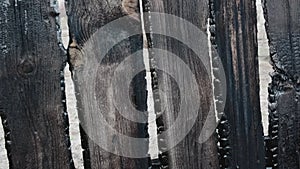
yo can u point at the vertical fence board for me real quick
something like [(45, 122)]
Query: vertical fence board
[(93, 90), (283, 29), (31, 82), (168, 94), (234, 29)]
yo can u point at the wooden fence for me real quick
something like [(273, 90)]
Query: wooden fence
[(32, 92)]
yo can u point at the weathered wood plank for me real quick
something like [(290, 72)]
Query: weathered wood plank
[(234, 33), (93, 76), (31, 83), (283, 29), (173, 86)]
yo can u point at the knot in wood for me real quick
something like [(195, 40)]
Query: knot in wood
[(26, 67)]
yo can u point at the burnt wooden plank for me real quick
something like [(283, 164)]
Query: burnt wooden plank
[(283, 30), (172, 83), (31, 85), (240, 130), (223, 129), (93, 75)]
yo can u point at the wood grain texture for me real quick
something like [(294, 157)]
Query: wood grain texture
[(236, 42), (31, 86), (93, 91), (223, 128), (283, 29), (188, 153)]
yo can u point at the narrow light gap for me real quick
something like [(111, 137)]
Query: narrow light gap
[(264, 65), (75, 138), (4, 164), (152, 127), (64, 23), (211, 67)]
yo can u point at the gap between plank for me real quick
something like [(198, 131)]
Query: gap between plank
[(152, 127), (3, 152), (75, 138)]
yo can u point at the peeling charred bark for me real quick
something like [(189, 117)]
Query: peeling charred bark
[(283, 30), (240, 131), (31, 85), (93, 76), (188, 153)]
